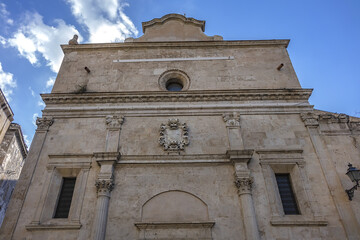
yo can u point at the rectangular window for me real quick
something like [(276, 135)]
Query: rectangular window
[(286, 194), (66, 194)]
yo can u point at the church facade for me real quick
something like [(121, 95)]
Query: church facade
[(180, 135)]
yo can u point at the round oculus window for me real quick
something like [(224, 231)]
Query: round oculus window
[(174, 85)]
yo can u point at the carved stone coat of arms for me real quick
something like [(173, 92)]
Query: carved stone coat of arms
[(173, 135)]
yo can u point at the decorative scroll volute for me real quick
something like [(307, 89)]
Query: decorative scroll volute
[(244, 185), (44, 123), (232, 119), (104, 187), (114, 122), (173, 135)]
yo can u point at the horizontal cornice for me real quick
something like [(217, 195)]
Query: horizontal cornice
[(185, 44), (186, 96)]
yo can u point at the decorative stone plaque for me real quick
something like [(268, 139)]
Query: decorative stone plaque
[(173, 135)]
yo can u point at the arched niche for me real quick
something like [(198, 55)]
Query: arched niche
[(174, 206), (175, 215)]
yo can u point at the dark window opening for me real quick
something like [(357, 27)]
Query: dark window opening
[(66, 194), (174, 85), (286, 194)]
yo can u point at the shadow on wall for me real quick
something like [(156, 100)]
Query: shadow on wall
[(6, 189)]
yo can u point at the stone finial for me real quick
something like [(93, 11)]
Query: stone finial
[(74, 41), (244, 185), (44, 123), (232, 119), (114, 122), (310, 119)]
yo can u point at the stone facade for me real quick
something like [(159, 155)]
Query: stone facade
[(199, 163), (13, 152)]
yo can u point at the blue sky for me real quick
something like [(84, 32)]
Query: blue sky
[(324, 47)]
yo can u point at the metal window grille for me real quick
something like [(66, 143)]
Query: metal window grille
[(286, 194), (66, 194)]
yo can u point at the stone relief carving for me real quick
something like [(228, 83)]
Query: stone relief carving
[(244, 185), (114, 121), (232, 119), (44, 123), (173, 135)]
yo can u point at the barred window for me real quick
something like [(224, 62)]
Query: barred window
[(64, 201), (286, 194)]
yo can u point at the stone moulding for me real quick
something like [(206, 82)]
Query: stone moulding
[(149, 225), (173, 135), (58, 226), (188, 96), (244, 43)]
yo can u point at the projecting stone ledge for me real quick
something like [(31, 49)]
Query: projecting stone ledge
[(174, 27)]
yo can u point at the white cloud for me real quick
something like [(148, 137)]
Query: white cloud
[(32, 92), (41, 103), (104, 19), (4, 14), (7, 83), (27, 140), (35, 116), (50, 82), (36, 38)]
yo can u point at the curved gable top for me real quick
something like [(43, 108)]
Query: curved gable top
[(174, 27), (174, 16)]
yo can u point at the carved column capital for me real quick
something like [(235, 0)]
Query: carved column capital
[(232, 119), (44, 123), (104, 187), (114, 122), (310, 119), (244, 185)]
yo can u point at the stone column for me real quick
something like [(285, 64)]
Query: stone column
[(243, 182), (22, 186), (104, 185), (337, 191)]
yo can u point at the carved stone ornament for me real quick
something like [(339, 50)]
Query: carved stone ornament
[(114, 121), (173, 135), (244, 185), (104, 186), (44, 123), (334, 118), (232, 119), (310, 119), (74, 41)]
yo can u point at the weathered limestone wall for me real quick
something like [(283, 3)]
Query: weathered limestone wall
[(12, 160), (252, 67)]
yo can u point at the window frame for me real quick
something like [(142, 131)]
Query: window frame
[(59, 167)]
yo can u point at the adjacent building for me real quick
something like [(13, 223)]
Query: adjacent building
[(180, 135), (13, 152)]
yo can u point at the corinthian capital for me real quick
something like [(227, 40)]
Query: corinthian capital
[(114, 121), (310, 119), (231, 119), (44, 123), (104, 187), (244, 185)]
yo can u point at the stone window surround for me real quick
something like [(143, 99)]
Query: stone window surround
[(61, 166), (181, 76), (289, 161)]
